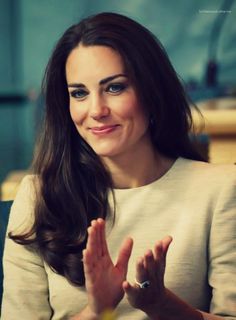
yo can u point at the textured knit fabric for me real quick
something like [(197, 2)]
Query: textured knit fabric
[(194, 202)]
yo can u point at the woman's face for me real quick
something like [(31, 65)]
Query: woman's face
[(103, 103)]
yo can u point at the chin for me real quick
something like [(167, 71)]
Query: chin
[(105, 152)]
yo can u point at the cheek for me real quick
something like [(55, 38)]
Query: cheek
[(77, 116), (132, 110)]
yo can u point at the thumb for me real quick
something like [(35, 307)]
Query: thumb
[(124, 255), (128, 289)]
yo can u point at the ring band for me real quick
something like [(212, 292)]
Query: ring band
[(143, 285)]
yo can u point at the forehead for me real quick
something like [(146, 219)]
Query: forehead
[(93, 62)]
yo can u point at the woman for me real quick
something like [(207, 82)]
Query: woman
[(116, 147)]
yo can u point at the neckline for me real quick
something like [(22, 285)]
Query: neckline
[(155, 182)]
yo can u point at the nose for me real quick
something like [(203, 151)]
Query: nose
[(98, 107)]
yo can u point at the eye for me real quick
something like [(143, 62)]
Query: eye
[(116, 87), (79, 94)]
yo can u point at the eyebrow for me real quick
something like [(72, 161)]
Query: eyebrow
[(101, 82)]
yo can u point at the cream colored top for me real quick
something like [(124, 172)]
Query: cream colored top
[(194, 202)]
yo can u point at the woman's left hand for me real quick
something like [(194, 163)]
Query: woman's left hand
[(103, 279), (150, 269)]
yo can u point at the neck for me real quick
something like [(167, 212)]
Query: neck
[(137, 168)]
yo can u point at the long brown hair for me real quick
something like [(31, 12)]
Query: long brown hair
[(73, 182)]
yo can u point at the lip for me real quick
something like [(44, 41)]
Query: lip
[(101, 130)]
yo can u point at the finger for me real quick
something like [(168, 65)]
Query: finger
[(149, 262), (101, 226), (158, 251), (124, 255), (88, 244), (89, 269), (87, 262), (92, 243), (141, 272), (165, 244), (94, 228), (98, 244), (103, 237)]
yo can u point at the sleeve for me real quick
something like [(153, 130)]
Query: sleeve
[(222, 252), (25, 286)]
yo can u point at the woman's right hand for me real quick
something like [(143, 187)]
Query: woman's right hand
[(103, 279)]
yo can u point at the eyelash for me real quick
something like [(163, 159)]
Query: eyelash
[(80, 94), (119, 87)]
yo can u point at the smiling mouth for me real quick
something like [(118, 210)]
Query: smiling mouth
[(103, 129)]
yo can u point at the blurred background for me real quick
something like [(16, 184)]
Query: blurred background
[(199, 37)]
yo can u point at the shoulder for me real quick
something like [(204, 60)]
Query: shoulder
[(205, 180), (207, 172), (26, 193), (28, 184), (22, 210)]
